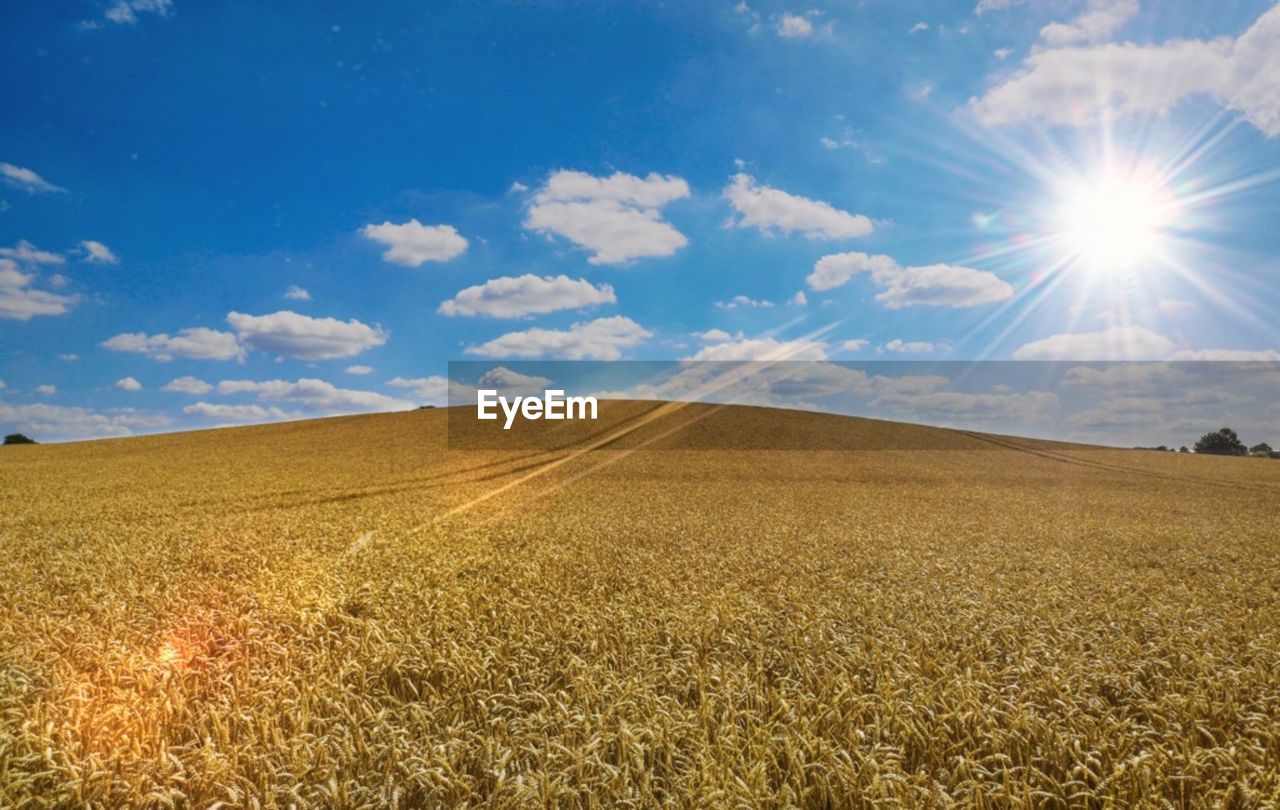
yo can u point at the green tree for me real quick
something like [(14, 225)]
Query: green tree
[(1223, 442), (18, 438)]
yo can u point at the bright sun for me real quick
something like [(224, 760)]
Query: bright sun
[(1113, 222)]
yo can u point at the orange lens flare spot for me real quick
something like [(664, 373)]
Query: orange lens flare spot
[(169, 654)]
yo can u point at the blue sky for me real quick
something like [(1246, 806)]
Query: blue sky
[(541, 180)]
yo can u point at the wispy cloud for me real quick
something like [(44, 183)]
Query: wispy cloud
[(127, 12), (27, 180), (98, 253)]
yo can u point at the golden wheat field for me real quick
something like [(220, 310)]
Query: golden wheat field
[(348, 613)]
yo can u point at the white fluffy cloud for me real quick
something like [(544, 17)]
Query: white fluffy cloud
[(527, 295), (836, 270), (714, 336), (285, 333), (1120, 412), (26, 253), (317, 396), (299, 336), (433, 390), (26, 180), (995, 5), (766, 348), (943, 285), (772, 210), (1115, 343), (198, 343), (45, 421), (238, 413), (618, 218), (413, 244), (359, 370), (1230, 355), (98, 253), (1099, 20), (910, 385), (1135, 377), (794, 26), (1076, 85), (125, 12), (296, 293), (20, 302), (909, 346), (601, 339), (128, 384), (46, 390), (1032, 407), (931, 285), (776, 384), (503, 378), (438, 390), (1073, 86), (743, 302), (187, 385)]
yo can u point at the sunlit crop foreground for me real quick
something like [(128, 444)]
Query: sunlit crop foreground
[(345, 613)]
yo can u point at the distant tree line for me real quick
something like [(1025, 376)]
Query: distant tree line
[(1223, 442)]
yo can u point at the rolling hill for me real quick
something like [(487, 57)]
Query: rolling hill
[(675, 604)]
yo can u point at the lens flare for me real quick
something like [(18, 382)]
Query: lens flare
[(169, 655)]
